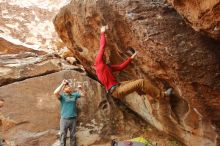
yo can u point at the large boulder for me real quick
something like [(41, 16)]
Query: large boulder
[(170, 53), (19, 63), (29, 76), (202, 16), (35, 110), (31, 112), (32, 103)]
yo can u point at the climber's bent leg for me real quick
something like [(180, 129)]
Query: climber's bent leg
[(141, 85)]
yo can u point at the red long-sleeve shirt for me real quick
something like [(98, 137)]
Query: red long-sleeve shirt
[(104, 72)]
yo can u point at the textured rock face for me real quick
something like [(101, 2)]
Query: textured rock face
[(18, 63), (169, 53), (33, 101), (203, 16), (7, 47), (29, 23), (32, 105), (30, 115)]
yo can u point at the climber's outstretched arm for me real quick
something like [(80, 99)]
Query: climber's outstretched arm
[(102, 46), (122, 66), (119, 67)]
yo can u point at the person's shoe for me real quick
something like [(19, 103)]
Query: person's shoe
[(168, 92)]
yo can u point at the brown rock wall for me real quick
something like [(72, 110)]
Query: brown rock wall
[(170, 52)]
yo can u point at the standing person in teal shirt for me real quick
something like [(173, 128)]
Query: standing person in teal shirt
[(68, 111)]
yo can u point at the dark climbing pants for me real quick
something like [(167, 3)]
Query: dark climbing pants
[(65, 125), (141, 86), (1, 142)]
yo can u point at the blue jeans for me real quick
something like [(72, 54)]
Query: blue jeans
[(65, 125)]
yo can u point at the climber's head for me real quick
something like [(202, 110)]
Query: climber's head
[(67, 88), (2, 101)]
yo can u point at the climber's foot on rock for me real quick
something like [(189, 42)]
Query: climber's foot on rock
[(168, 92)]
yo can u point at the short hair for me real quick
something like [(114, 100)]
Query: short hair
[(67, 84), (2, 100)]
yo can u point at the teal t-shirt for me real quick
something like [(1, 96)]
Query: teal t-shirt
[(68, 105)]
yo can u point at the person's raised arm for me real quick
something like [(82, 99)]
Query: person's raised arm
[(119, 67), (81, 90), (59, 88), (102, 46)]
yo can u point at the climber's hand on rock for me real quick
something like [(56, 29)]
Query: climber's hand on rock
[(103, 28), (132, 57)]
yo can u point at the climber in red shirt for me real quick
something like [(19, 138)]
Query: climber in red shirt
[(105, 75)]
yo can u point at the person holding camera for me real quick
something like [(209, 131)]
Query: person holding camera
[(68, 98), (117, 89)]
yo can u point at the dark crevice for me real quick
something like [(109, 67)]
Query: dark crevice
[(125, 108), (179, 107), (68, 26), (103, 105), (7, 81), (79, 49), (77, 61), (92, 76), (79, 70), (131, 50)]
